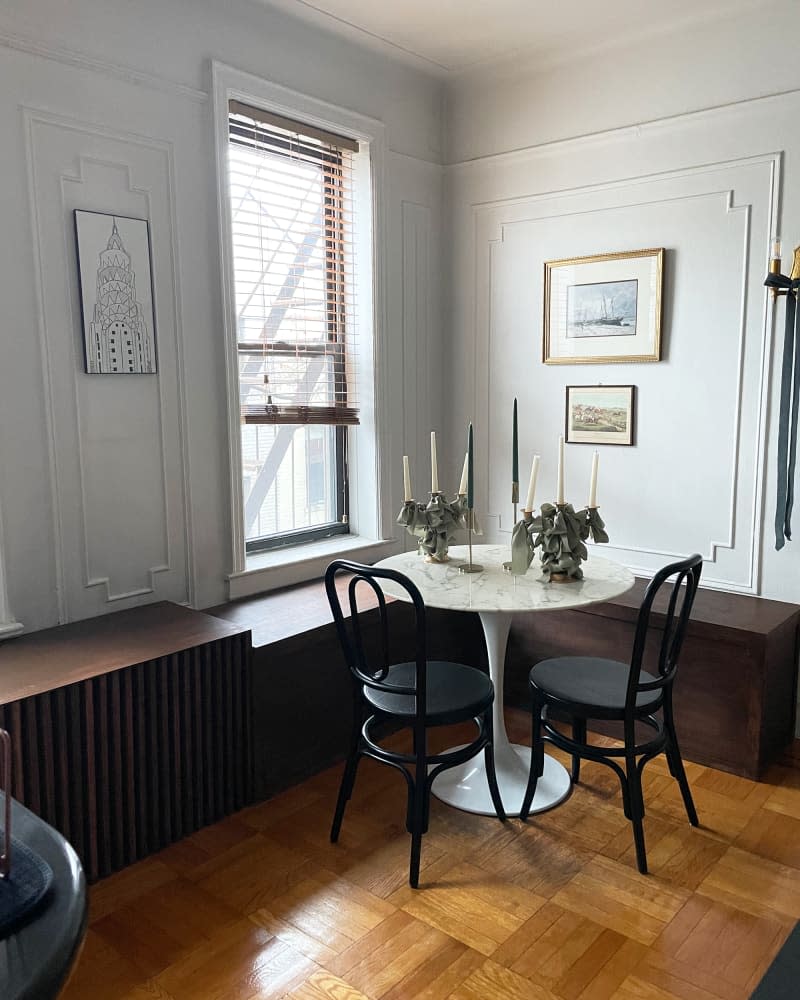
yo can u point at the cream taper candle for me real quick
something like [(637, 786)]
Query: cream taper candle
[(406, 479), (560, 492), (434, 465), (532, 483), (593, 480)]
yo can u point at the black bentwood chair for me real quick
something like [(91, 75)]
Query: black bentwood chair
[(419, 693), (586, 687)]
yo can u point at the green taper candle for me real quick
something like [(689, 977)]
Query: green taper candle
[(470, 478), (514, 447)]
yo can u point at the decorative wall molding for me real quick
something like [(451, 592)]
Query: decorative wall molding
[(417, 381), (78, 177), (624, 133), (69, 57), (491, 221), (30, 118), (8, 623), (170, 337), (419, 161)]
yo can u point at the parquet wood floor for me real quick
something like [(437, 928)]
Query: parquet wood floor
[(263, 906)]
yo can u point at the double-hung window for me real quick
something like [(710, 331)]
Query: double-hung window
[(291, 211)]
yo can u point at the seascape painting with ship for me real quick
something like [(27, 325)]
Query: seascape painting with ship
[(602, 309)]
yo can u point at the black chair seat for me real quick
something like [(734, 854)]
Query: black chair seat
[(455, 692), (596, 685)]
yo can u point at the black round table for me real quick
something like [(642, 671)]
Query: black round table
[(35, 960)]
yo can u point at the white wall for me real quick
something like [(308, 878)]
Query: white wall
[(612, 153), (520, 103), (106, 106), (114, 492)]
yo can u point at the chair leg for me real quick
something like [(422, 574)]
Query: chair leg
[(350, 768), (491, 773), (418, 810), (636, 804), (345, 791), (537, 758), (422, 768), (675, 762), (578, 736)]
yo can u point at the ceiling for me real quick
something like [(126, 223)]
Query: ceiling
[(455, 35)]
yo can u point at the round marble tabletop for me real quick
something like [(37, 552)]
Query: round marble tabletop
[(442, 586), (496, 595)]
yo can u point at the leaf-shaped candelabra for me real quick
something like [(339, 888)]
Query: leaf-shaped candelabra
[(560, 532), (434, 525)]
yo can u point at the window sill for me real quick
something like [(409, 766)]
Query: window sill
[(299, 563)]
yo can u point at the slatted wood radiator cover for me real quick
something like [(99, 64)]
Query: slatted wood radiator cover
[(130, 731)]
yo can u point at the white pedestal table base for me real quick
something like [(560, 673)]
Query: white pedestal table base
[(466, 786)]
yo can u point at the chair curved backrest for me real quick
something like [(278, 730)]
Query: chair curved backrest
[(370, 665), (685, 576)]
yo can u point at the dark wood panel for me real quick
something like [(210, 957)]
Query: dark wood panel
[(114, 761), (43, 661), (735, 694), (715, 612)]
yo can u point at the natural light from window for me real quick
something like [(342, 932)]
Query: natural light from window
[(290, 255)]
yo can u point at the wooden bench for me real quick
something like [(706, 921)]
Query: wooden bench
[(735, 695), (736, 692)]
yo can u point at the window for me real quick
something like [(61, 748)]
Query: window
[(291, 211)]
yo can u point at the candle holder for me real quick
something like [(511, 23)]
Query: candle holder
[(522, 547), (472, 529), (561, 531), (433, 524)]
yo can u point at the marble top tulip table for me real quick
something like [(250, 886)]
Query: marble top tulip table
[(496, 595)]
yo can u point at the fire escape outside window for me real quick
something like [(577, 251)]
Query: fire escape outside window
[(292, 219)]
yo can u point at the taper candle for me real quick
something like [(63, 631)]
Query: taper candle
[(406, 478), (462, 488), (593, 480), (514, 447), (434, 465), (532, 483), (560, 492), (470, 473)]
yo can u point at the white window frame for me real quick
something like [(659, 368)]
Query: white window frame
[(370, 516)]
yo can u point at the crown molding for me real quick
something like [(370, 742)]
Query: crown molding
[(79, 60)]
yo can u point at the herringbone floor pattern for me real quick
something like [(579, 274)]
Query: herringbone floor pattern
[(263, 906)]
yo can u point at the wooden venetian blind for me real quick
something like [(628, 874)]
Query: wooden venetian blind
[(292, 211)]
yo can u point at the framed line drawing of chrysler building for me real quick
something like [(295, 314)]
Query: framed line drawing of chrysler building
[(116, 294)]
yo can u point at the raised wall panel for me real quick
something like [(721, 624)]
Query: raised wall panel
[(414, 346), (8, 624), (693, 481), (117, 448), (416, 330)]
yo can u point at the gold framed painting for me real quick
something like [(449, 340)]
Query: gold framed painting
[(605, 308), (599, 414)]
